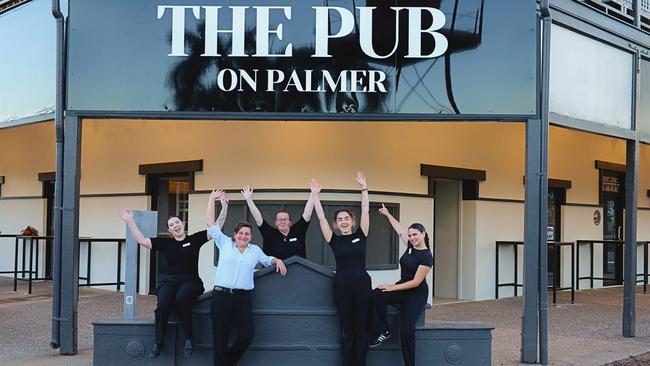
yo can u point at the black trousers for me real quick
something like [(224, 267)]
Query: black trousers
[(412, 302), (352, 296), (227, 310), (179, 295)]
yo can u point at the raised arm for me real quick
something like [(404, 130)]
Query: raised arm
[(209, 213), (397, 226), (221, 220), (309, 207), (247, 192), (322, 220), (364, 222), (127, 216), (216, 194)]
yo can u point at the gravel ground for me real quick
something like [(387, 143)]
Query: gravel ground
[(639, 360), (27, 342), (585, 333)]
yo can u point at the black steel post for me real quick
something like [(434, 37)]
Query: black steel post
[(88, 261), (496, 273), (31, 261), (577, 286), (70, 237), (119, 264), (591, 263), (38, 241), (22, 273), (16, 264), (516, 267), (137, 271), (573, 274), (629, 263), (645, 267)]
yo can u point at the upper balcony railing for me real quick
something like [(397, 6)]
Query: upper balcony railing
[(8, 4), (624, 10)]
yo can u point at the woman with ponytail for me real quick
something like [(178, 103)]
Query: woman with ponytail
[(411, 291)]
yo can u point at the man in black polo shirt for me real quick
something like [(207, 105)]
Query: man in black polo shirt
[(286, 239)]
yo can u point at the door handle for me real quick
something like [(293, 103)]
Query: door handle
[(619, 232)]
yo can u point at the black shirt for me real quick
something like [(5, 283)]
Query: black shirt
[(409, 263), (182, 257), (349, 251), (277, 245)]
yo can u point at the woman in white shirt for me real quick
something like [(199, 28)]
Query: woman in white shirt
[(233, 283)]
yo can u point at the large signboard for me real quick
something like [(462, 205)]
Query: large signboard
[(422, 57)]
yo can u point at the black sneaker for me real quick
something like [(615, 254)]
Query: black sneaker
[(155, 350), (382, 337), (188, 349)]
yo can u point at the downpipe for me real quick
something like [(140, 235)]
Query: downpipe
[(543, 255), (58, 183)]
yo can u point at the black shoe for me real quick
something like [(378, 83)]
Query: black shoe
[(155, 350), (382, 337), (188, 348)]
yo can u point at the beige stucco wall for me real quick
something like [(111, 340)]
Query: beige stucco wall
[(287, 154), (98, 219), (578, 224), (467, 255), (496, 221), (15, 214), (24, 152), (572, 156)]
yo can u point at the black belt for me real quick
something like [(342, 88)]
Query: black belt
[(230, 290)]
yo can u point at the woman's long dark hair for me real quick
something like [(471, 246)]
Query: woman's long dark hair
[(419, 227)]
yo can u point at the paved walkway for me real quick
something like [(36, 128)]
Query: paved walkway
[(586, 333)]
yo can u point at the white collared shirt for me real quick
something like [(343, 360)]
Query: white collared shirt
[(235, 269)]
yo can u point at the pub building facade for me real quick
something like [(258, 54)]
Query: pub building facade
[(429, 98)]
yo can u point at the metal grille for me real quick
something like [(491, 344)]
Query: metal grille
[(624, 3), (645, 8)]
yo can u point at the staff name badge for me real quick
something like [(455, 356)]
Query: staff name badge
[(186, 245), (355, 240), (293, 239)]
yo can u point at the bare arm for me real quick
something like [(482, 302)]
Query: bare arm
[(420, 275), (209, 213), (216, 194), (279, 266), (221, 220), (364, 222), (322, 220), (397, 226), (247, 192), (309, 208), (127, 216)]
